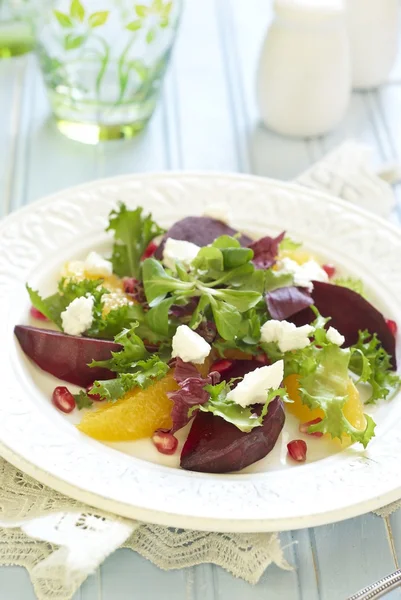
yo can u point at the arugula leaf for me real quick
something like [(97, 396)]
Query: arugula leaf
[(157, 318), (245, 419), (351, 283), (226, 317), (241, 299), (289, 244), (132, 234), (209, 258), (372, 364), (199, 311), (147, 372), (82, 400), (236, 257), (158, 283), (226, 241)]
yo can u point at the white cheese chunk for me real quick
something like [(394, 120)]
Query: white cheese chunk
[(95, 264), (303, 274), (335, 336), (287, 335), (254, 387), (179, 250), (78, 316), (189, 346), (218, 210)]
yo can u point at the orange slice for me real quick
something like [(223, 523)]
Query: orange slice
[(353, 408), (137, 415)]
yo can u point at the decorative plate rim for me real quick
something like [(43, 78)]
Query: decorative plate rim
[(63, 459)]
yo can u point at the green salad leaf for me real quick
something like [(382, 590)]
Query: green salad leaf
[(133, 350), (351, 283), (289, 244), (132, 234), (143, 374), (372, 364), (83, 400), (323, 371), (245, 419)]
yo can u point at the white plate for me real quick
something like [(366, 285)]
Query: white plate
[(35, 241)]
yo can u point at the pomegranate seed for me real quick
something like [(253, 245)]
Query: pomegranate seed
[(150, 250), (392, 325), (36, 314), (130, 285), (63, 399), (94, 397), (330, 270), (262, 358), (297, 450), (165, 442), (303, 428), (221, 365)]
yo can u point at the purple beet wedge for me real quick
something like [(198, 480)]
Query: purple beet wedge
[(66, 356), (199, 230), (350, 313), (215, 446)]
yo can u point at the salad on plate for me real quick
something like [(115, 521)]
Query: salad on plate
[(204, 330)]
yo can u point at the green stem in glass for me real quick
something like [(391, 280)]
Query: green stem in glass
[(123, 76)]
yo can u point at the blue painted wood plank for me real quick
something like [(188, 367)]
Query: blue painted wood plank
[(126, 575), (12, 73), (351, 554), (15, 584), (203, 124)]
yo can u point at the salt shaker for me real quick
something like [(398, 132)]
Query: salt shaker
[(373, 34), (304, 75)]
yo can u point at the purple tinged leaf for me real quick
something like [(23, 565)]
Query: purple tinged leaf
[(198, 230), (284, 302), (191, 392), (266, 250)]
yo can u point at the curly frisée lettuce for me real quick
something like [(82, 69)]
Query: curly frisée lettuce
[(245, 419), (132, 234), (323, 372), (372, 364)]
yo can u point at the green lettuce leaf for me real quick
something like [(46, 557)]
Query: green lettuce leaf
[(126, 359), (372, 364), (145, 373), (82, 400), (351, 283), (245, 419), (132, 234)]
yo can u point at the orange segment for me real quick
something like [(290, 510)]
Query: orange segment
[(137, 415), (353, 408)]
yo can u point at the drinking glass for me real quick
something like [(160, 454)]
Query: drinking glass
[(103, 63), (16, 34)]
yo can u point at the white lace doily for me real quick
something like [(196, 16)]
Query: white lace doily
[(61, 541)]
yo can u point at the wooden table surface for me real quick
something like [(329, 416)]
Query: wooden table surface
[(206, 119)]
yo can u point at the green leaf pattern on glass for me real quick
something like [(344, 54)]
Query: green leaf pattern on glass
[(143, 22)]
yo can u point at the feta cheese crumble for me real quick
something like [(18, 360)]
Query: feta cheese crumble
[(179, 250), (78, 316), (254, 387), (335, 336), (218, 210), (189, 346), (287, 335), (303, 274), (95, 264)]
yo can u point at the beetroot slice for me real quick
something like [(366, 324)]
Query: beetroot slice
[(350, 313), (66, 356), (239, 368), (200, 231), (215, 446)]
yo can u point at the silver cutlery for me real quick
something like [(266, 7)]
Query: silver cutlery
[(379, 588)]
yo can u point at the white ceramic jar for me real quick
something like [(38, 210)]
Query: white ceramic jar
[(304, 77), (373, 27)]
